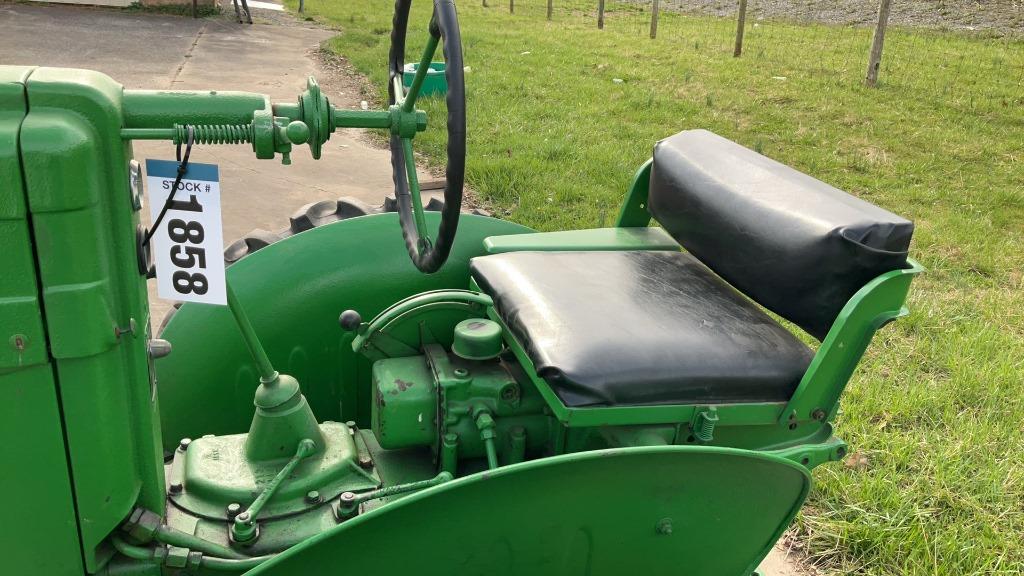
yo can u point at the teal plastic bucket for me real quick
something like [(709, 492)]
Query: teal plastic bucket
[(435, 84)]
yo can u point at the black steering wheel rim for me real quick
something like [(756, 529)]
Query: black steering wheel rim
[(426, 254)]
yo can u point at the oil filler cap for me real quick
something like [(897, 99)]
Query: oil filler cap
[(477, 339)]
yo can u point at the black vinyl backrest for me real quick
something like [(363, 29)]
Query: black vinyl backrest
[(796, 245)]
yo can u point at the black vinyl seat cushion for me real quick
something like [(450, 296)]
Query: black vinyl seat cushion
[(640, 328)]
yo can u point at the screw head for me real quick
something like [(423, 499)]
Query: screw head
[(818, 414), (365, 461), (243, 517), (184, 444), (19, 341), (312, 497), (233, 509), (348, 497), (175, 488)]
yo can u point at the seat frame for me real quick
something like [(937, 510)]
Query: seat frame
[(802, 422)]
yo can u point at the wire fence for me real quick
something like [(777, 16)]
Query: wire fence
[(830, 39)]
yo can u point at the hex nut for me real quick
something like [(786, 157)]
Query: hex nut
[(176, 557), (142, 525)]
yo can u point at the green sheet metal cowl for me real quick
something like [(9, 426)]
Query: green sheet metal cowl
[(477, 339)]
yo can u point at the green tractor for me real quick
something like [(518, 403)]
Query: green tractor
[(476, 397)]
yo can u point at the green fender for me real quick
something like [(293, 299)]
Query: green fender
[(293, 291), (694, 510)]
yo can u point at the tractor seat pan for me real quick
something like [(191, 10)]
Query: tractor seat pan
[(640, 328)]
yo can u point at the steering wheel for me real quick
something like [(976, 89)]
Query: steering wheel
[(428, 254)]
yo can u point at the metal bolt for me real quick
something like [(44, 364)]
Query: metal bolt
[(347, 507), (365, 461), (243, 517), (818, 414), (312, 497), (184, 443), (461, 372), (510, 392), (233, 509), (175, 488), (157, 348)]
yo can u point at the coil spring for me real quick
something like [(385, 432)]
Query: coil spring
[(705, 430), (215, 133)]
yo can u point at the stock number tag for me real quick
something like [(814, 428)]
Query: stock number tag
[(189, 245)]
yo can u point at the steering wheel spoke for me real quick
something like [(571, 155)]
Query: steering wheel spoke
[(414, 192), (409, 103)]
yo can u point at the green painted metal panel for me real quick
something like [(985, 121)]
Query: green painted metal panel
[(654, 510), (36, 490), (39, 530), (294, 291), (22, 340), (94, 299), (579, 240)]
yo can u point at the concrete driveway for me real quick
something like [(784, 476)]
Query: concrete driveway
[(273, 56)]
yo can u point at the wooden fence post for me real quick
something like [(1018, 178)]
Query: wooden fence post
[(551, 8), (875, 58), (741, 22), (600, 14), (654, 19)]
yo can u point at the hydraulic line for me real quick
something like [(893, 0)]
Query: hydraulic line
[(235, 565), (168, 535), (132, 551), (211, 562)]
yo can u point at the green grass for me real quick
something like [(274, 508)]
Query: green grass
[(936, 413)]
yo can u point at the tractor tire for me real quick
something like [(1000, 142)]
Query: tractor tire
[(311, 216)]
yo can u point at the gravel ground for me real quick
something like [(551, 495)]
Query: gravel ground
[(997, 17)]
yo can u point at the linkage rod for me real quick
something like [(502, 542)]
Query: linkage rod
[(266, 369)]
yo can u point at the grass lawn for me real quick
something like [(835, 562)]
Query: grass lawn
[(935, 415)]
